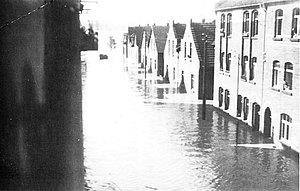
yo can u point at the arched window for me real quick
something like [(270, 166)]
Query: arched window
[(228, 62), (288, 76), (246, 108), (229, 24), (239, 106), (254, 23), (246, 23), (222, 23), (296, 23), (222, 58), (220, 96), (227, 99), (244, 65), (278, 22), (251, 68), (275, 73), (285, 126)]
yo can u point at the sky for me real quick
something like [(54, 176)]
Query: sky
[(143, 12)]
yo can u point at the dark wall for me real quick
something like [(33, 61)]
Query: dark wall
[(40, 101), (160, 64)]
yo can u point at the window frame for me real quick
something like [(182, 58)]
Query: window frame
[(254, 23), (275, 70), (228, 62), (246, 21), (229, 25), (278, 19), (244, 67), (286, 125), (295, 33), (288, 71), (252, 68)]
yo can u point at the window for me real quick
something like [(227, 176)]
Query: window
[(296, 23), (285, 126), (190, 50), (222, 58), (278, 22), (222, 25), (288, 76), (229, 24), (228, 62), (168, 47), (239, 106), (220, 96), (251, 68), (227, 99), (174, 72), (254, 23), (246, 108), (275, 72), (246, 23), (184, 49), (173, 48), (243, 65), (192, 81)]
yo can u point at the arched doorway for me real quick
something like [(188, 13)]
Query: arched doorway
[(255, 116), (267, 122)]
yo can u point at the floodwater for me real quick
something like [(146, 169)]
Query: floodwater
[(133, 143)]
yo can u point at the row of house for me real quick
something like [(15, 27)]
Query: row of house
[(174, 54), (252, 62)]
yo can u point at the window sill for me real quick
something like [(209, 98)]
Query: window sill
[(287, 92), (277, 38), (227, 73), (229, 36), (295, 39), (275, 89), (254, 38), (252, 82), (243, 78)]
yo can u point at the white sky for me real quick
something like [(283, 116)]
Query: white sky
[(143, 12)]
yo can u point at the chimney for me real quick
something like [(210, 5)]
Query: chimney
[(203, 21)]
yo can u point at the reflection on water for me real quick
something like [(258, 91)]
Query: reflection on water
[(133, 144)]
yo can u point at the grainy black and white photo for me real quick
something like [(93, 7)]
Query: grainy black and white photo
[(149, 95)]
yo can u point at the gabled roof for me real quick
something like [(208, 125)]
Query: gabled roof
[(138, 32), (179, 30), (160, 35), (147, 30), (230, 4), (209, 29)]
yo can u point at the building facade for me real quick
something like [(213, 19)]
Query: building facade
[(257, 66), (191, 59), (172, 53)]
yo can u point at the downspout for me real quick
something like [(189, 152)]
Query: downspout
[(264, 56)]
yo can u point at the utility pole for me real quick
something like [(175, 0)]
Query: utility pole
[(204, 76)]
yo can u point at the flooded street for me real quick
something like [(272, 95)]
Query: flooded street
[(135, 141)]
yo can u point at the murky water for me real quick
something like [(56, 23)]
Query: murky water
[(134, 144)]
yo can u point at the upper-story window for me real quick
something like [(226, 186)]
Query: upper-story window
[(246, 23), (285, 126), (275, 73), (222, 24), (245, 108), (173, 48), (184, 49), (296, 23), (278, 22), (227, 99), (288, 76), (222, 58), (254, 23), (251, 68), (244, 65), (229, 24), (228, 62), (220, 96), (190, 50), (168, 47)]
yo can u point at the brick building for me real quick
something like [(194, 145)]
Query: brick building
[(257, 66)]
